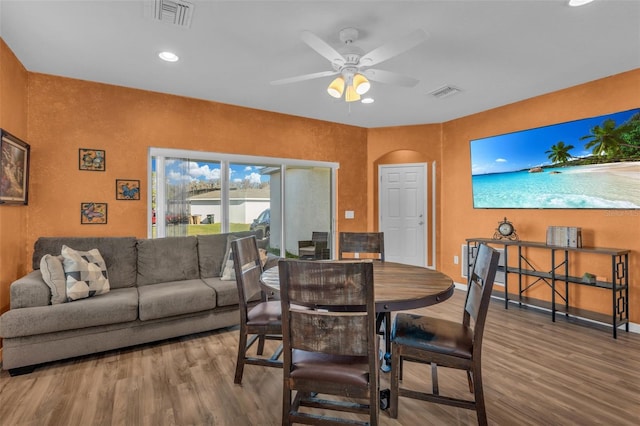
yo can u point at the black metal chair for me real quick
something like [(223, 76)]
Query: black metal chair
[(444, 343), (331, 347), (261, 320)]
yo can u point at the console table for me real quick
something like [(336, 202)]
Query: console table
[(558, 273)]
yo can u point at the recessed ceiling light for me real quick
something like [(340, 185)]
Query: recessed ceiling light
[(576, 3), (168, 56), (367, 100)]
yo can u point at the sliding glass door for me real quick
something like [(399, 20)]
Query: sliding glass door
[(283, 200)]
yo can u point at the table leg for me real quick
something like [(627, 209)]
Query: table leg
[(383, 325)]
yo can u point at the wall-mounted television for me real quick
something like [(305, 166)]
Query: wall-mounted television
[(592, 163)]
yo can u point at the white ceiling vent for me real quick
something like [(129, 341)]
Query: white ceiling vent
[(176, 12), (444, 92)]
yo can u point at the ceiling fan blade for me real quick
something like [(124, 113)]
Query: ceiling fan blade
[(389, 77), (322, 47), (304, 77), (393, 48)]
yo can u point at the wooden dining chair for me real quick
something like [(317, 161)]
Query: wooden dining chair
[(315, 248), (371, 245), (259, 321), (332, 348), (355, 244), (444, 343)]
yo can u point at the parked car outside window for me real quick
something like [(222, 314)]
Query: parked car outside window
[(262, 223)]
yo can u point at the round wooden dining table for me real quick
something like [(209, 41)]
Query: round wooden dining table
[(398, 287)]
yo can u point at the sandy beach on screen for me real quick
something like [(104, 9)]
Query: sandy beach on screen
[(630, 169)]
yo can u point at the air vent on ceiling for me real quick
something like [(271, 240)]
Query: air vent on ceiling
[(444, 91), (176, 12)]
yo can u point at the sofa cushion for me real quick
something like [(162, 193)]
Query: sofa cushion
[(226, 291), (119, 305), (53, 274), (85, 273), (212, 250), (119, 254), (167, 259), (175, 298)]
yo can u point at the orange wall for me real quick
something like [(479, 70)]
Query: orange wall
[(67, 114), (459, 220), (13, 219)]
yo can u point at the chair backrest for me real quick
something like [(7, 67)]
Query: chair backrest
[(343, 321), (479, 287), (319, 237), (356, 243), (248, 268)]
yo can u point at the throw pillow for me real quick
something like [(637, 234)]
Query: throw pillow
[(85, 273), (228, 273), (263, 257), (53, 275)]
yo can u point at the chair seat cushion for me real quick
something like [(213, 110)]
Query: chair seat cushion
[(433, 334), (314, 366), (265, 313)]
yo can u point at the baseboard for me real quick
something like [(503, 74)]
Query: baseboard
[(633, 327)]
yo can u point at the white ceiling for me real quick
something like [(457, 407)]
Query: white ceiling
[(496, 52)]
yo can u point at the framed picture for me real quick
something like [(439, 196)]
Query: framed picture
[(93, 160), (93, 213), (14, 169), (127, 189)]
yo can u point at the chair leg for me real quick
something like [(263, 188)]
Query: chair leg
[(434, 378), (260, 344), (286, 405), (396, 367), (481, 410), (242, 354)]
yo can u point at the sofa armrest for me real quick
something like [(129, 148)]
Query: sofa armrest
[(29, 291)]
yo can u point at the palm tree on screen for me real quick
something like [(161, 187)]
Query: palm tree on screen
[(559, 153), (606, 140)]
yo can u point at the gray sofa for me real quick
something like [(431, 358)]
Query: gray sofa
[(159, 289)]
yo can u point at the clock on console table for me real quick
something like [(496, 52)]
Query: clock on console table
[(505, 230)]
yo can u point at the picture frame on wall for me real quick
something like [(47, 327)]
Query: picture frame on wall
[(127, 189), (93, 160), (93, 213), (14, 169)]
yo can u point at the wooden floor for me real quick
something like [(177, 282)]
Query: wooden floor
[(535, 373)]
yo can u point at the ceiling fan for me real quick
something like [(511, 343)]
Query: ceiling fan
[(353, 67)]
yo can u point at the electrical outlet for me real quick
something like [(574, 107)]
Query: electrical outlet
[(455, 260)]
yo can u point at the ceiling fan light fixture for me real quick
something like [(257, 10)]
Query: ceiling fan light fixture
[(351, 95), (336, 88), (361, 84)]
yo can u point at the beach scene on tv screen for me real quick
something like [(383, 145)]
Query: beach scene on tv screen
[(592, 163)]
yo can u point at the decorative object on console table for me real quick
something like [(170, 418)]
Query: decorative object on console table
[(505, 230), (564, 236), (92, 159), (14, 169), (93, 213), (127, 189)]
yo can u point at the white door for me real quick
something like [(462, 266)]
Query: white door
[(403, 212)]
